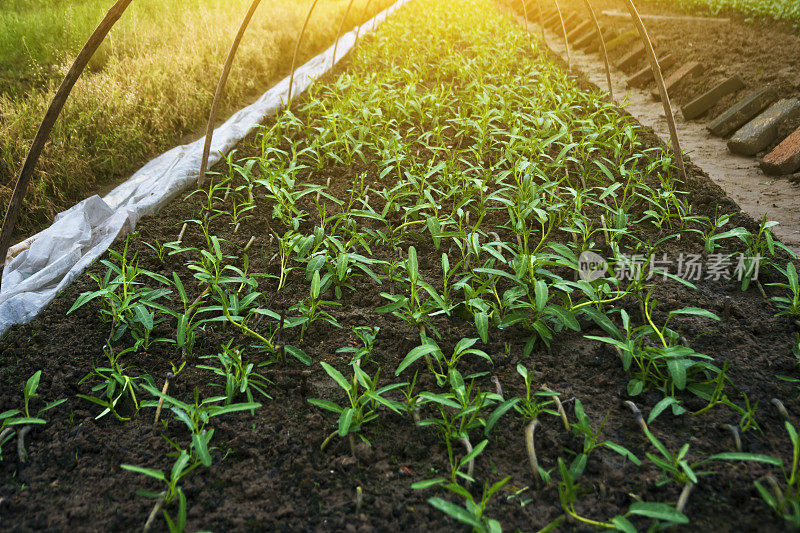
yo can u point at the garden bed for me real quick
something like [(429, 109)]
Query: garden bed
[(445, 112)]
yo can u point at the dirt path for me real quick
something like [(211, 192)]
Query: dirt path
[(756, 193)]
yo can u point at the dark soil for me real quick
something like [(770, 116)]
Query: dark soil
[(268, 471)]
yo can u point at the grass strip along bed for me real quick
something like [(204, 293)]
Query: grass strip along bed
[(148, 88), (452, 284)]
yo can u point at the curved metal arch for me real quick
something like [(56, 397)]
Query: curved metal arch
[(564, 29), (223, 78), (296, 50), (363, 14), (541, 21), (49, 120), (602, 46), (524, 14), (339, 31), (662, 87)]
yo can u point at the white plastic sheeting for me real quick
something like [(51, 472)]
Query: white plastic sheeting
[(52, 259)]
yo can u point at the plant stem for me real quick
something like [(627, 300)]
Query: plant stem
[(359, 499), (529, 429), (471, 465), (553, 526), (684, 497), (737, 441), (161, 399), (152, 517), (778, 405), (6, 432), (595, 523), (559, 406), (327, 441), (638, 414), (352, 442), (21, 453), (498, 387)]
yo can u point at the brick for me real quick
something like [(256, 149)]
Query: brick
[(692, 68), (585, 40), (621, 40), (530, 7), (533, 14), (549, 19), (569, 20), (742, 112), (630, 59), (762, 131), (644, 76), (555, 25), (609, 34), (590, 41), (785, 158), (579, 30), (697, 107)]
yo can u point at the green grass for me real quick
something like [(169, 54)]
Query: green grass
[(150, 84)]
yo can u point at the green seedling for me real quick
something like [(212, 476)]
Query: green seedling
[(363, 400), (675, 467), (761, 248), (11, 419), (785, 501), (126, 303), (654, 356), (569, 491), (711, 235), (444, 364), (788, 305), (159, 250), (591, 438), (415, 309), (196, 417), (240, 376), (460, 412), (472, 513), (116, 385), (183, 466), (367, 336), (309, 309), (536, 402)]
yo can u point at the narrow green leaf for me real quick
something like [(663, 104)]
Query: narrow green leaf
[(454, 511), (659, 511), (158, 474), (498, 413), (336, 375)]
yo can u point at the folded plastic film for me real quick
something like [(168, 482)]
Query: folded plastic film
[(49, 261)]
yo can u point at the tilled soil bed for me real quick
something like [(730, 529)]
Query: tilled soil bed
[(269, 472)]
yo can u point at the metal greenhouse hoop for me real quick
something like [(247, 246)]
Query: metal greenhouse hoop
[(602, 46), (564, 29), (223, 78), (49, 120), (339, 31), (524, 14), (363, 14), (296, 50), (662, 88)]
